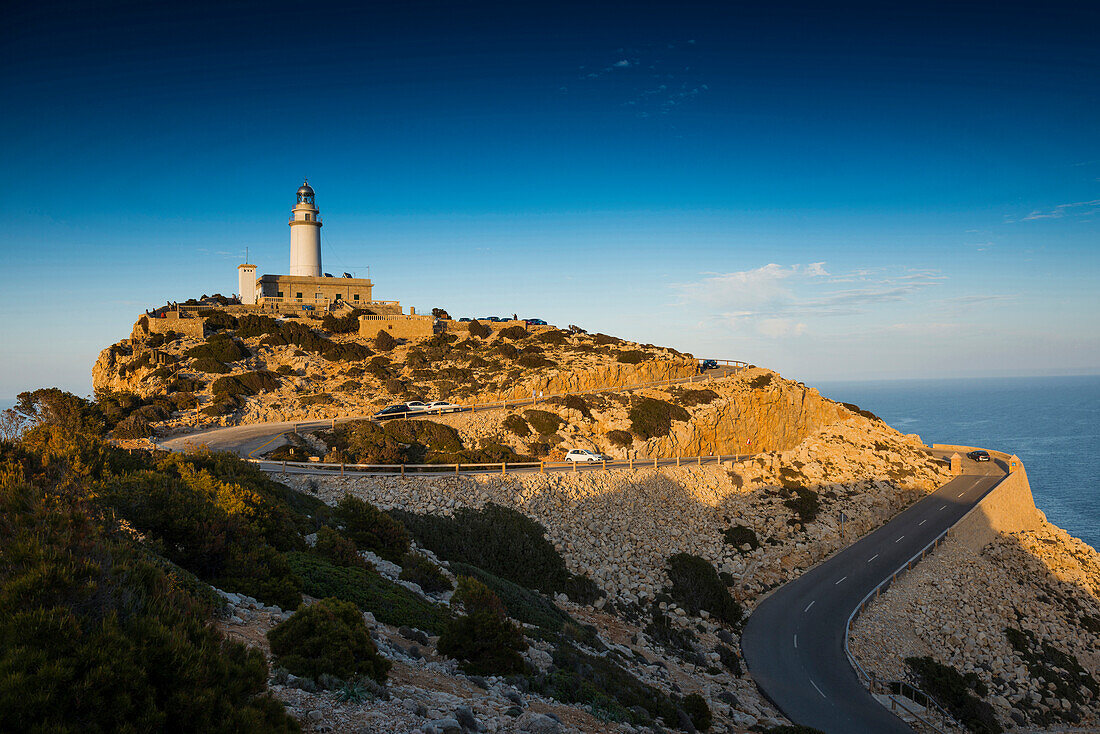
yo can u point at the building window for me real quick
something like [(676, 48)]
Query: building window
[(307, 217), (279, 294), (355, 297), (336, 297), (299, 296)]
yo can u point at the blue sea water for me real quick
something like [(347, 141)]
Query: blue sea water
[(1051, 423)]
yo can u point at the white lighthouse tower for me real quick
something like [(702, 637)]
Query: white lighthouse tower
[(305, 235)]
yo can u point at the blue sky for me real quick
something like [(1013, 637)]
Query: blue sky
[(862, 192)]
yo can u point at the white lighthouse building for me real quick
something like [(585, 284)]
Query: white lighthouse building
[(307, 287), (305, 235)]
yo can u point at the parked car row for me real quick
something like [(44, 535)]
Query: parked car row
[(417, 407), (498, 319)]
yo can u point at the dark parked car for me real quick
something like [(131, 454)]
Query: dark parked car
[(401, 410), (535, 322), (465, 318), (709, 364), (978, 455)]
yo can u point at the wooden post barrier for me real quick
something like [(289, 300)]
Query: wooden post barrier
[(542, 467), (284, 466), (503, 467), (402, 471), (456, 468), (677, 460), (341, 468), (631, 460), (700, 459), (654, 462), (574, 466), (605, 463)]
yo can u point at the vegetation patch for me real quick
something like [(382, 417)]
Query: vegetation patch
[(620, 438), (1052, 666), (952, 690), (652, 418), (246, 383), (860, 411), (371, 529), (338, 549), (346, 324), (691, 398), (480, 330), (329, 637), (513, 332), (517, 425), (695, 706), (760, 381), (543, 421), (503, 542), (209, 366), (484, 640), (633, 356), (804, 502), (695, 585), (220, 347), (417, 569), (388, 602), (739, 535)]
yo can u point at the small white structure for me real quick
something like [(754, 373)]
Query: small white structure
[(305, 235), (246, 280)]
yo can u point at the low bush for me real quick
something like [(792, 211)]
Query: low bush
[(729, 659), (338, 549), (384, 341), (662, 631), (425, 574), (501, 541), (544, 422), (534, 360), (517, 425), (576, 402), (435, 436), (219, 320), (99, 634), (480, 330), (277, 333), (133, 426), (602, 339), (252, 325), (246, 383), (285, 369), (513, 332), (805, 503), (321, 398), (952, 691), (739, 535), (552, 336), (209, 366), (652, 418), (328, 637), (371, 529), (760, 381), (599, 682), (860, 411), (695, 706), (695, 586), (1052, 666), (691, 398), (346, 324), (220, 407), (183, 384), (633, 356), (220, 347), (522, 604), (390, 603), (484, 640), (620, 438), (508, 351)]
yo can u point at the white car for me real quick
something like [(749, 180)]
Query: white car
[(584, 456), (442, 406), (416, 406)]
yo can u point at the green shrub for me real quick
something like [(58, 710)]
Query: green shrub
[(652, 418), (695, 586), (620, 438), (952, 691), (632, 356), (99, 634), (372, 529), (533, 360), (805, 503), (543, 421), (220, 347), (221, 407), (576, 402), (865, 413), (285, 369), (690, 398), (552, 336), (338, 549), (513, 332), (729, 659), (416, 359), (603, 339), (480, 330), (384, 341), (578, 677), (484, 640), (422, 572), (695, 706), (218, 320), (246, 383), (738, 535), (321, 398), (523, 604), (517, 425), (276, 333), (209, 366), (328, 637), (183, 384), (390, 603), (662, 631), (436, 436), (501, 541), (760, 381), (346, 324), (256, 325), (508, 351)]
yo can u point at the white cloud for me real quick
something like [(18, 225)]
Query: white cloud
[(622, 64), (1076, 208)]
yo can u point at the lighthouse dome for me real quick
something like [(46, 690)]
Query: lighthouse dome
[(305, 190)]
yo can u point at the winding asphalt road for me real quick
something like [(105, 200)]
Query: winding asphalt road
[(793, 642)]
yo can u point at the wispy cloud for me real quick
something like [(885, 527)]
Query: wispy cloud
[(775, 301), (1076, 209)]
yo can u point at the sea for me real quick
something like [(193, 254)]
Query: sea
[(1051, 423)]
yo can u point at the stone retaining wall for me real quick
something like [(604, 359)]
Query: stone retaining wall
[(1008, 508)]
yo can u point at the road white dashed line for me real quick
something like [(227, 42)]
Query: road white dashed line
[(899, 539), (944, 507), (808, 606), (796, 642), (872, 558), (818, 689), (961, 493), (922, 521), (840, 580)]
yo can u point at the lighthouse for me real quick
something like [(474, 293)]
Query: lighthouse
[(305, 235)]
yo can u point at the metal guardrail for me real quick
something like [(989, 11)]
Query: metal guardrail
[(872, 681)]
